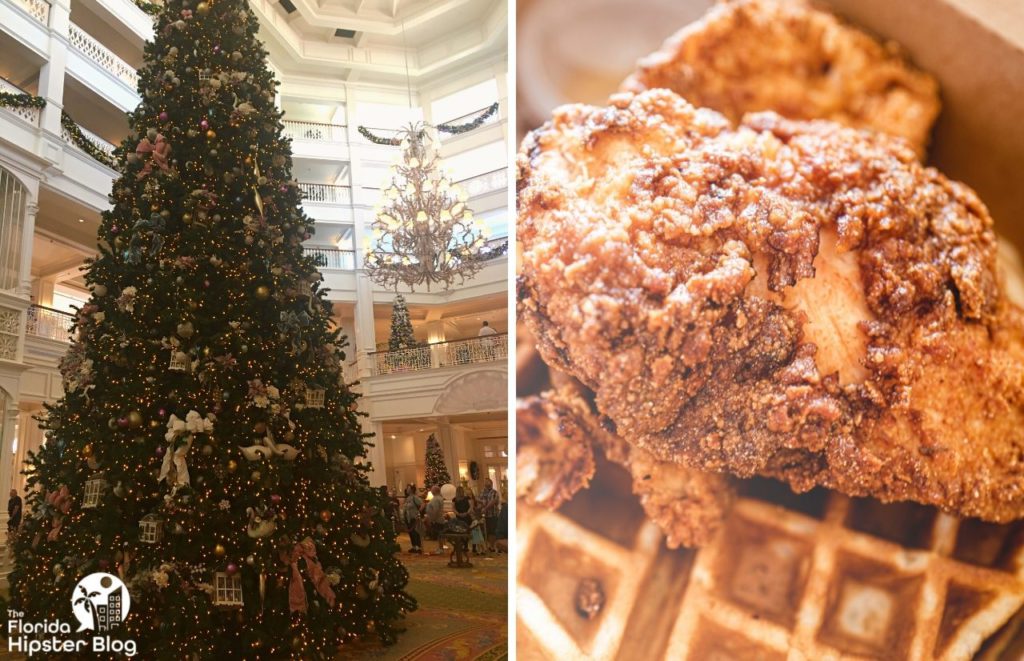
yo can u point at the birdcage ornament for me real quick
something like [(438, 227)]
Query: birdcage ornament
[(94, 488), (315, 398), (179, 362), (151, 529), (227, 589), (204, 75)]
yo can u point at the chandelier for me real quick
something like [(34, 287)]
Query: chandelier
[(423, 232)]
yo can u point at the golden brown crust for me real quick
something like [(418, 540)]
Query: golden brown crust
[(646, 227), (556, 432), (801, 62)]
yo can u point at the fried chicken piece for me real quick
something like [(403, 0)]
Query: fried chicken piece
[(798, 61), (556, 433), (785, 298)]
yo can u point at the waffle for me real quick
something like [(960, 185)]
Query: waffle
[(818, 576)]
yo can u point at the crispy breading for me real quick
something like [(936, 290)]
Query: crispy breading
[(801, 62), (670, 263), (557, 432)]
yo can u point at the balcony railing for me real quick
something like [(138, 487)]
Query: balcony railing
[(49, 323), (326, 193), (441, 354), (314, 131), (333, 258), (488, 182), (101, 55), (96, 140), (38, 9), (30, 115)]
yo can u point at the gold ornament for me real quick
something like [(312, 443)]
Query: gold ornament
[(87, 450), (263, 292), (232, 466), (219, 550), (211, 134), (261, 427), (135, 419), (203, 8), (325, 515)]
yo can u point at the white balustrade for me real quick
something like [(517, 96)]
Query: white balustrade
[(30, 115), (326, 193), (442, 354), (314, 131), (101, 55), (333, 258), (488, 182), (38, 9), (49, 323)]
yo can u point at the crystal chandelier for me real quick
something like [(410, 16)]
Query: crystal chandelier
[(423, 232)]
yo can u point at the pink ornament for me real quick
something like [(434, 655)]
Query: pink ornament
[(276, 498), (216, 48), (163, 413), (206, 283), (114, 229), (164, 116), (160, 451), (205, 124), (232, 569), (122, 423)]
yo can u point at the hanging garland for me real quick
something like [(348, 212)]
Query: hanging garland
[(84, 143), (376, 139), (148, 7), (452, 129), (469, 126), (9, 100)]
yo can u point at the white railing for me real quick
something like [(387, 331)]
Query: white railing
[(441, 354), (49, 323), (333, 258), (326, 193), (314, 131), (102, 144), (30, 115), (488, 182), (38, 9), (99, 142), (102, 56)]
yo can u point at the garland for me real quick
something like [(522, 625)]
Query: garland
[(9, 100), (469, 126), (490, 252), (377, 140), (84, 143), (148, 7)]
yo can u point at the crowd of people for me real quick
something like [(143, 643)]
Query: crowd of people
[(431, 518)]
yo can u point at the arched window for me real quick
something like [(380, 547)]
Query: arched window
[(13, 198)]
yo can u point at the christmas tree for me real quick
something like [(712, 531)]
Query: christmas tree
[(206, 450), (401, 326), (437, 472)]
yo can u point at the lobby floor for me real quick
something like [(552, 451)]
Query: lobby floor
[(462, 615)]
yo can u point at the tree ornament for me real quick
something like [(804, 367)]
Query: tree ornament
[(325, 515), (219, 550), (262, 292), (135, 419)]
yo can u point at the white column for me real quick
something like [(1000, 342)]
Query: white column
[(366, 338), (445, 437), (10, 422), (28, 229), (379, 475), (51, 75)]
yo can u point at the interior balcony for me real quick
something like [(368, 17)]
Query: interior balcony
[(26, 23), (317, 140)]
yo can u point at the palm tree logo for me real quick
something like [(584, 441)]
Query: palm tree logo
[(86, 602)]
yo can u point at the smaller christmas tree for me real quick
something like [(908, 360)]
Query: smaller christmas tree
[(401, 326), (437, 472)]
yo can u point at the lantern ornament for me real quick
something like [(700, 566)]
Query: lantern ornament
[(151, 529), (94, 488), (315, 398), (179, 362), (227, 589)]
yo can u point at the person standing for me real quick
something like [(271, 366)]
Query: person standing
[(411, 510), (490, 502), (13, 513), (487, 333), (435, 517)]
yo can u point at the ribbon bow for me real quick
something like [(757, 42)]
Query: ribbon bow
[(177, 460), (158, 151), (296, 590), (60, 504)]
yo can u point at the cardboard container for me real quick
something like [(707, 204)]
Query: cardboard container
[(579, 51)]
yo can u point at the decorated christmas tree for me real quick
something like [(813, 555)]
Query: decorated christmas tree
[(437, 472), (401, 326), (206, 450)]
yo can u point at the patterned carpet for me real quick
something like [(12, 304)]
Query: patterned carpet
[(463, 613)]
